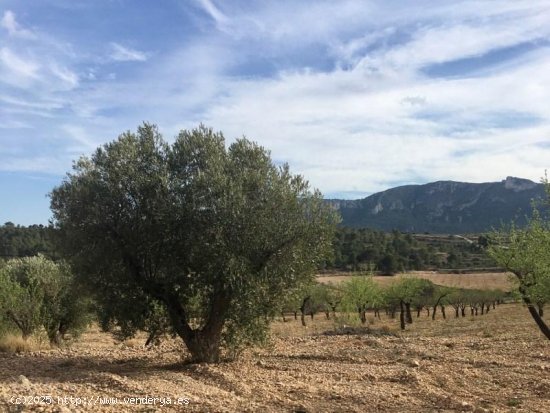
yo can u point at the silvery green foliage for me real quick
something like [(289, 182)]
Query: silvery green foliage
[(36, 293), (216, 234)]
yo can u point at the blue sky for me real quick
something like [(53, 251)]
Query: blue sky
[(358, 96)]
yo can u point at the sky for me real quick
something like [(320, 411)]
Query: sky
[(357, 96)]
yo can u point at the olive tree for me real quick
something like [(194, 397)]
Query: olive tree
[(22, 295), (36, 292), (214, 234)]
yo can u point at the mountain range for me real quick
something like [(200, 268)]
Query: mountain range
[(443, 207)]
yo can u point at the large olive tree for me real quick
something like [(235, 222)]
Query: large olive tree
[(213, 234)]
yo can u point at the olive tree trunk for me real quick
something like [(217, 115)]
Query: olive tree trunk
[(204, 344)]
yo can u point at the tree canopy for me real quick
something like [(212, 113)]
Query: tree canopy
[(526, 253), (21, 241), (213, 235)]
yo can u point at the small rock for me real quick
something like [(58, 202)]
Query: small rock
[(415, 363), (24, 381), (466, 406)]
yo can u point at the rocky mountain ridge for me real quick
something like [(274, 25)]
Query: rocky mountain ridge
[(443, 206)]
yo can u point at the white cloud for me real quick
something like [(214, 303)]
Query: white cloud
[(68, 77), (9, 23), (214, 12), (349, 130), (371, 119), (16, 70), (123, 54)]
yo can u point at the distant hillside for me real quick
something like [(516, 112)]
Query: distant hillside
[(443, 207)]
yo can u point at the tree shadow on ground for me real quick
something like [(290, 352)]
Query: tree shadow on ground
[(75, 369)]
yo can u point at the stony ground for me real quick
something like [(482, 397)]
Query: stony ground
[(497, 362)]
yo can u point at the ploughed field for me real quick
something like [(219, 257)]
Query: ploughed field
[(497, 362)]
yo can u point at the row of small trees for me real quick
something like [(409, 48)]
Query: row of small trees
[(406, 295), (39, 295)]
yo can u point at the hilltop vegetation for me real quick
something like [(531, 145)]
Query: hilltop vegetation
[(354, 249), (21, 241), (389, 253)]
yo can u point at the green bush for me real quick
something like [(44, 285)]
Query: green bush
[(36, 293)]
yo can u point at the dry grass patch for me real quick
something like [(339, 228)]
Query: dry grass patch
[(481, 281), (12, 343)]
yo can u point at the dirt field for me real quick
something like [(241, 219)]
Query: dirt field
[(497, 280), (498, 362)]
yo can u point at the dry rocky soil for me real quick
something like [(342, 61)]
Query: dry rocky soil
[(498, 362)]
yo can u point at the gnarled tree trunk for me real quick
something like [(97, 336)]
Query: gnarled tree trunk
[(204, 344)]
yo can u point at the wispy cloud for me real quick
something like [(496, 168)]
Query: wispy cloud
[(17, 70), (64, 74), (214, 12), (84, 143), (120, 53), (9, 23)]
